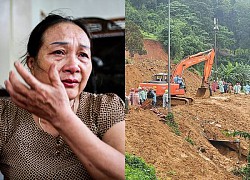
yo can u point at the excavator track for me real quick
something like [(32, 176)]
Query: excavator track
[(177, 100), (176, 87)]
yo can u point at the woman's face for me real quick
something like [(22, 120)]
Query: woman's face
[(68, 46)]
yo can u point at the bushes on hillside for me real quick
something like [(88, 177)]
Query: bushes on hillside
[(137, 169)]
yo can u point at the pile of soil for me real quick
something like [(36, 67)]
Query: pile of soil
[(147, 136), (155, 61)]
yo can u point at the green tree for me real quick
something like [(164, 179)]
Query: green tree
[(192, 26), (176, 39), (233, 73), (133, 39), (242, 9), (137, 169)]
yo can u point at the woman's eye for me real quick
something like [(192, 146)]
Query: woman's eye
[(84, 55), (58, 52)]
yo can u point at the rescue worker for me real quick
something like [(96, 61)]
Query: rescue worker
[(225, 84), (131, 96), (230, 88), (165, 99), (146, 93), (142, 95), (214, 86), (154, 98), (176, 79), (126, 103), (237, 88), (136, 100), (179, 80), (247, 87), (221, 86)]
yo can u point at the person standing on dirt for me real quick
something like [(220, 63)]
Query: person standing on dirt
[(237, 88), (230, 88), (214, 86), (146, 92), (221, 86), (210, 89), (247, 87), (126, 103), (154, 98), (165, 99), (225, 87), (142, 95), (131, 96), (136, 100)]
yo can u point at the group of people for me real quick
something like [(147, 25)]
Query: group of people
[(227, 87), (223, 86), (137, 96)]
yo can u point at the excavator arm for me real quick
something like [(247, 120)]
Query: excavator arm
[(208, 67), (207, 56), (160, 84)]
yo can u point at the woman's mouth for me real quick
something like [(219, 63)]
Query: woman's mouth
[(70, 83)]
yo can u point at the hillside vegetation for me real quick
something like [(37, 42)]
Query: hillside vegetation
[(193, 30), (192, 154)]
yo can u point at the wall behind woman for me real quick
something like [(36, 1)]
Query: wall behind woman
[(14, 24), (19, 17)]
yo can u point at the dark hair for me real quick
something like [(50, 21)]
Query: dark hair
[(36, 37)]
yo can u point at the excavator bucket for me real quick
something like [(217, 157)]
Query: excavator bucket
[(203, 92)]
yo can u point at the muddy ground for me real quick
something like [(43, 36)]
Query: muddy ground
[(212, 155)]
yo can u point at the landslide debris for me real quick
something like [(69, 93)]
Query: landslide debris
[(172, 155)]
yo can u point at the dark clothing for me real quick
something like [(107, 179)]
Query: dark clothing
[(154, 99)]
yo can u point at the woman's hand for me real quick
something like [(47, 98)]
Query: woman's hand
[(46, 101), (50, 101)]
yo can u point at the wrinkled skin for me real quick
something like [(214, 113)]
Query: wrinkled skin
[(60, 73)]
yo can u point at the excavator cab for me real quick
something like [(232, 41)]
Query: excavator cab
[(160, 78), (177, 87)]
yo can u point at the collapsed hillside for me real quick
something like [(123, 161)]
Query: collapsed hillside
[(155, 61), (173, 157)]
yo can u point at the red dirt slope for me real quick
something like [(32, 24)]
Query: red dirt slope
[(172, 155)]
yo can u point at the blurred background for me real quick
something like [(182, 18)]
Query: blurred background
[(106, 20)]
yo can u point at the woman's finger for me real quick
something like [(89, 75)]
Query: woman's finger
[(27, 77), (54, 76), (22, 93), (33, 102), (17, 85), (17, 98)]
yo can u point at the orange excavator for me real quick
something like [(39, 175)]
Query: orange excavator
[(177, 85)]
